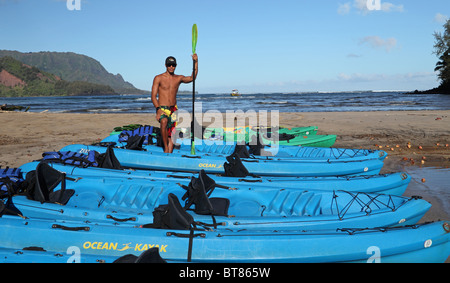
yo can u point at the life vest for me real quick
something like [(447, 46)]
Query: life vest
[(92, 159), (11, 173), (10, 180), (144, 131), (72, 158)]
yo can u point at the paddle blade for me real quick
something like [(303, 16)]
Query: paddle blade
[(194, 38), (192, 148)]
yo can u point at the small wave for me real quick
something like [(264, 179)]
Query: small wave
[(273, 102), (223, 97), (108, 110), (143, 99), (401, 103)]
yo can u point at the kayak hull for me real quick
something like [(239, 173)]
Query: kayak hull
[(421, 243), (370, 165), (133, 201), (390, 184)]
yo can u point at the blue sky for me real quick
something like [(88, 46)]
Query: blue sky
[(251, 45)]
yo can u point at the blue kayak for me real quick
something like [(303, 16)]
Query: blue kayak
[(38, 255), (72, 255), (108, 200), (356, 163), (390, 184), (221, 148), (418, 243)]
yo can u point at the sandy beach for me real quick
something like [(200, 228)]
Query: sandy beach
[(411, 138), (25, 136)]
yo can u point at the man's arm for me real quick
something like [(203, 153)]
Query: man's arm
[(155, 101), (155, 91), (190, 79)]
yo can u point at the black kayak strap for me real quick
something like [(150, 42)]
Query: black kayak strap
[(191, 237)]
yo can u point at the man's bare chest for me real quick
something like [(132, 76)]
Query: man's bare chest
[(169, 83)]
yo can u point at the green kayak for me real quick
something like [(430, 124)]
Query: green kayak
[(296, 136), (297, 131), (299, 136), (312, 141)]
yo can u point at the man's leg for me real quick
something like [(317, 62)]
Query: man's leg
[(171, 130), (170, 145), (164, 134)]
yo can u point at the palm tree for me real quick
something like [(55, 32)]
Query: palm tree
[(442, 50)]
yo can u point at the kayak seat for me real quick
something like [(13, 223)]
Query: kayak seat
[(149, 256), (178, 217), (234, 167), (220, 206), (42, 184), (197, 194), (171, 216)]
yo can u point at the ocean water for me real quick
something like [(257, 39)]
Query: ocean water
[(435, 185), (283, 102)]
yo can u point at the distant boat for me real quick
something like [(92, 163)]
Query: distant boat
[(235, 92)]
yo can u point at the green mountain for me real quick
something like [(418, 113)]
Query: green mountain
[(73, 67), (19, 79)]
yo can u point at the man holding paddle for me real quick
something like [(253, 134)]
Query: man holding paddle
[(164, 98)]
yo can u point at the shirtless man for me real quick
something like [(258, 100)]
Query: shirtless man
[(165, 86)]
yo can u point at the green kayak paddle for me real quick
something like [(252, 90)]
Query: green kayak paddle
[(194, 46)]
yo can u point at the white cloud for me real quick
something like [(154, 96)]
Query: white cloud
[(361, 5), (389, 7), (348, 82), (353, 55), (440, 18), (358, 78), (400, 81), (344, 9), (366, 6), (404, 77), (378, 42)]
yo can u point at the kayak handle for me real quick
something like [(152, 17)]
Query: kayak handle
[(188, 156), (178, 177), (250, 160), (57, 226), (250, 181), (121, 220)]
